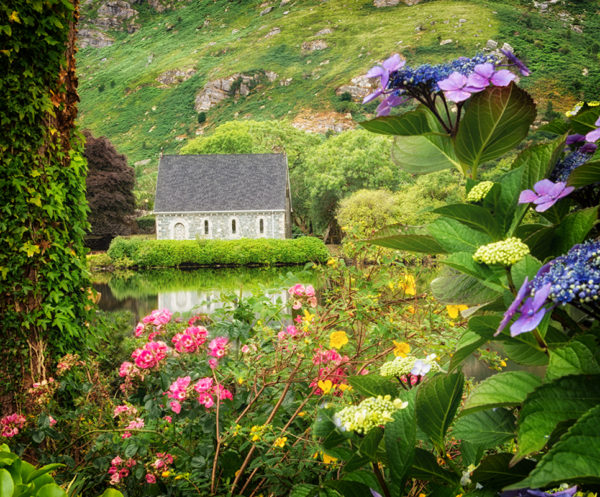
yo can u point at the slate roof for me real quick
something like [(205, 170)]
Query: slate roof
[(240, 182)]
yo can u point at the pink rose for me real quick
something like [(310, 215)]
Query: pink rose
[(150, 478)]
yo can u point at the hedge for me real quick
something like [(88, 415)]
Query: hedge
[(243, 252)]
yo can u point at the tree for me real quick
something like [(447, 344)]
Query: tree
[(110, 183)]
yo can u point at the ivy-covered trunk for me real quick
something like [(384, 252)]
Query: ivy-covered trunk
[(43, 281)]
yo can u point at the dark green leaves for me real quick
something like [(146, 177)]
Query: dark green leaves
[(586, 174), (495, 121), (410, 123), (437, 401), (502, 390), (412, 243), (373, 385), (486, 429), (473, 216), (400, 438)]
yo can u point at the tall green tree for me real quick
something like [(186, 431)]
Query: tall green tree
[(43, 282)]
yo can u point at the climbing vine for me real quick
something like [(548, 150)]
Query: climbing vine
[(43, 282)]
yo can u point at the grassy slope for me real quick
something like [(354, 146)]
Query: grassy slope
[(141, 118)]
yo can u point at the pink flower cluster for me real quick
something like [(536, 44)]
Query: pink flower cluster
[(300, 293), (130, 372), (190, 340), (217, 348), (120, 469), (161, 464), (179, 391), (11, 424), (331, 369), (150, 355), (158, 318), (128, 411), (41, 392), (290, 331)]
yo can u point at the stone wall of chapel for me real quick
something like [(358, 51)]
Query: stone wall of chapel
[(220, 225)]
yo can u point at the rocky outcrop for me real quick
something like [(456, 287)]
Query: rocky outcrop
[(175, 76), (393, 3), (116, 15), (235, 85), (273, 32), (322, 122), (311, 46), (359, 87), (323, 32), (93, 38)]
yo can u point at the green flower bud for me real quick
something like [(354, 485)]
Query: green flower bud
[(479, 191), (370, 413), (506, 252)]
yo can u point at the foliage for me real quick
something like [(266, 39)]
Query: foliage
[(174, 253), (43, 282), (109, 188), (146, 224), (553, 412)]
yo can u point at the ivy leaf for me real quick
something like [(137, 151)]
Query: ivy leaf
[(565, 398), (501, 390), (437, 401), (575, 458)]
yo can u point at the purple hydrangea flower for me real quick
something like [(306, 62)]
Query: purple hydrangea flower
[(545, 194), (383, 71), (528, 492), (512, 309), (386, 105), (576, 138), (594, 135), (512, 58), (374, 493), (532, 312), (588, 148), (485, 74), (456, 87), (420, 368)]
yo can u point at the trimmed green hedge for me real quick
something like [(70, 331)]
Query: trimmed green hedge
[(243, 252)]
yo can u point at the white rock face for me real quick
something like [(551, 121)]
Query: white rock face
[(385, 3), (359, 87), (93, 38), (323, 32), (175, 76), (273, 32), (117, 15), (446, 42), (311, 46)]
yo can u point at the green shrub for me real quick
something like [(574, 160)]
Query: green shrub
[(99, 261), (146, 224), (174, 253)]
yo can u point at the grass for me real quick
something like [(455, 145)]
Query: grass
[(120, 97)]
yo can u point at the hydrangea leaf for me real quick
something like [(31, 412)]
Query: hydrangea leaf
[(527, 266), (576, 357), (525, 351), (458, 288), (373, 385), (400, 438), (501, 390), (584, 122), (454, 236), (468, 343), (486, 429), (437, 401), (415, 122), (463, 262), (495, 471), (472, 216), (565, 398), (556, 126), (586, 174), (426, 153), (495, 121), (575, 458), (349, 488), (7, 485), (425, 467)]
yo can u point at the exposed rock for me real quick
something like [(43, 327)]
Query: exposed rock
[(235, 31), (311, 46), (144, 162), (158, 5), (491, 45), (446, 42), (359, 87), (326, 31), (175, 76), (284, 2), (219, 89), (117, 15), (273, 32), (585, 71), (462, 21), (385, 3), (286, 81), (577, 29), (264, 12), (93, 38), (322, 122)]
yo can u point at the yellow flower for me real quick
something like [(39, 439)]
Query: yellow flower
[(410, 309), (453, 310), (302, 414), (328, 459), (422, 495), (326, 385), (240, 381), (338, 339), (255, 437), (408, 285), (308, 317), (332, 262), (401, 349), (503, 364), (165, 474), (280, 442), (391, 285), (343, 387)]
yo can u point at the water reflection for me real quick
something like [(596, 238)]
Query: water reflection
[(208, 301)]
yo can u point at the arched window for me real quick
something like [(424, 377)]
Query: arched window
[(206, 230), (179, 231), (233, 227), (261, 225)]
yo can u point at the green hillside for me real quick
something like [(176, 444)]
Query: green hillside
[(122, 98)]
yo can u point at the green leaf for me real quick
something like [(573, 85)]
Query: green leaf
[(412, 243), (473, 216), (584, 122), (370, 443), (415, 122), (573, 358), (7, 458), (495, 471), (565, 398), (425, 467), (574, 228), (501, 390), (111, 492), (51, 490), (325, 429), (525, 351), (586, 174), (459, 288), (349, 488), (557, 126), (468, 343), (575, 458), (400, 439), (302, 490), (373, 385), (365, 477), (426, 153), (527, 266), (437, 401), (454, 236), (495, 121), (42, 471), (463, 262), (486, 429), (6, 484)]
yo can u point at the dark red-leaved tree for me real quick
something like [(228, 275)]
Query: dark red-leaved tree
[(109, 184)]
